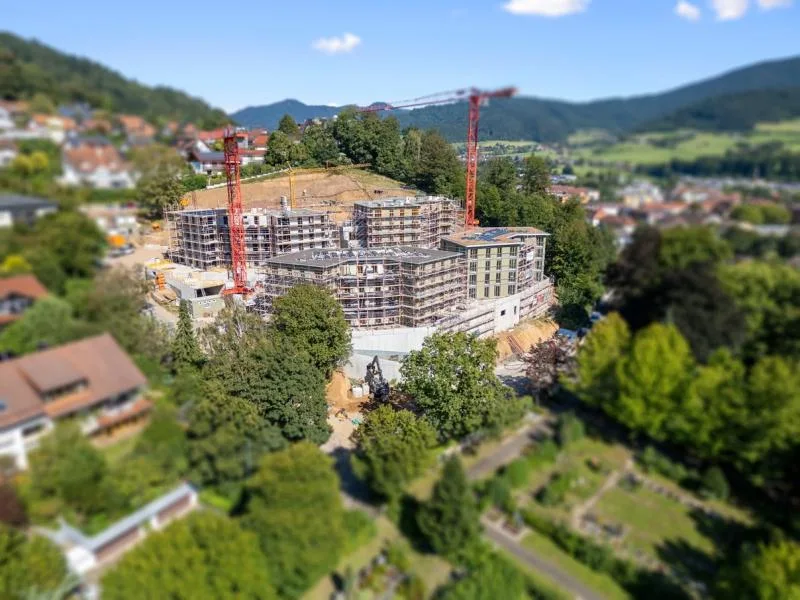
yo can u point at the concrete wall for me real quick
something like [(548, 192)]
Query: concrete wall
[(356, 367), (400, 340), (506, 313)]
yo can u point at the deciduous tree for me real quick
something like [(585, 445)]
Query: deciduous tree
[(765, 572), (392, 449), (294, 507), (28, 564), (202, 556)]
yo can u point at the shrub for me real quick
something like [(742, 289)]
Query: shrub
[(543, 454), (570, 429), (12, 512), (714, 484), (653, 461), (413, 588), (518, 473), (499, 493), (397, 555), (556, 490), (360, 530)]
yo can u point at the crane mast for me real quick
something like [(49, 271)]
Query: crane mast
[(235, 218)]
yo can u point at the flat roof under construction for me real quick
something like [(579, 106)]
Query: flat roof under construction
[(278, 212), (330, 258), (481, 236), (400, 202)]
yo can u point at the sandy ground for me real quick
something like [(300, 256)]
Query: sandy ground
[(523, 336), (328, 191), (339, 398)]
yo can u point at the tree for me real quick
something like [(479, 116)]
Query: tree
[(685, 247), (493, 577), (227, 438), (202, 556), (439, 170), (293, 505), (652, 379), (49, 322), (449, 520), (279, 149), (715, 485), (14, 264), (28, 564), (392, 448), (66, 466), (42, 104), (288, 126), (765, 572), (311, 319), (158, 190), (595, 377), (547, 362), (163, 442), (501, 173), (536, 176), (186, 351), (452, 381), (320, 145)]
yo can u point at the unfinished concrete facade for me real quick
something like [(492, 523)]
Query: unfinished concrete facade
[(383, 287), (200, 238), (420, 221)]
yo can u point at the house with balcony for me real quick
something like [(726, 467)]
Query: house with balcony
[(91, 382), (17, 294), (96, 163)]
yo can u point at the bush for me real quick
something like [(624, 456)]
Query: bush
[(518, 473), (543, 454), (556, 489), (653, 461), (499, 493), (397, 555), (570, 429), (12, 512), (413, 588), (714, 484), (360, 529)]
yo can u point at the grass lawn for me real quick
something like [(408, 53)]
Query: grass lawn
[(600, 583), (653, 519), (433, 570), (116, 452)]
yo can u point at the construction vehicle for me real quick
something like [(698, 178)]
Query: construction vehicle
[(476, 99), (378, 386)]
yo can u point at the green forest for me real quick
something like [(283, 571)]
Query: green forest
[(28, 67)]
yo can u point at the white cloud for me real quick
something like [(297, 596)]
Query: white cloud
[(730, 10), (337, 45), (687, 10), (545, 8), (768, 4)]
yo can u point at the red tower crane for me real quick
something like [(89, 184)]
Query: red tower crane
[(476, 99), (235, 210)]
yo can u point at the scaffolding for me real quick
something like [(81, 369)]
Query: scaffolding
[(420, 221), (378, 288)]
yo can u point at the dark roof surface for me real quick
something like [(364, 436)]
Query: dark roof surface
[(16, 202)]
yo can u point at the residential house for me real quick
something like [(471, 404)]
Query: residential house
[(23, 209), (114, 220), (212, 136), (6, 119), (10, 111), (582, 194), (251, 157), (95, 125), (259, 138), (206, 163), (640, 193), (8, 152), (135, 127), (53, 127), (653, 214), (91, 382), (17, 294), (95, 162)]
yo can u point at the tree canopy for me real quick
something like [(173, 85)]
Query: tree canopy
[(392, 448), (765, 572), (202, 556), (294, 507), (28, 564), (452, 381)]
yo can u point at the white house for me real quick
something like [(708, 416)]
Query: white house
[(95, 163)]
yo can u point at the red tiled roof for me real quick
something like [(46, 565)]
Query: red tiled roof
[(99, 361), (88, 158), (22, 285)]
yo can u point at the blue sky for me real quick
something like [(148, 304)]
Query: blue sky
[(264, 51)]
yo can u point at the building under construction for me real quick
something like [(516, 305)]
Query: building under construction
[(200, 238), (403, 286), (419, 221)]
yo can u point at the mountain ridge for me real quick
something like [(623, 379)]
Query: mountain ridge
[(549, 120)]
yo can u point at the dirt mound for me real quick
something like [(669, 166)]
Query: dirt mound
[(326, 191), (523, 336)]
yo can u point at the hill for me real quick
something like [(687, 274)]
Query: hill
[(733, 112), (269, 115), (28, 67), (547, 120)]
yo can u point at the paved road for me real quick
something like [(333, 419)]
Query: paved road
[(534, 561), (510, 449)]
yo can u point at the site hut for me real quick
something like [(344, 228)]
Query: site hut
[(415, 221), (403, 286)]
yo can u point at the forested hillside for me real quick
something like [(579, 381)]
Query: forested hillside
[(269, 116), (734, 112), (553, 120), (28, 67)]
